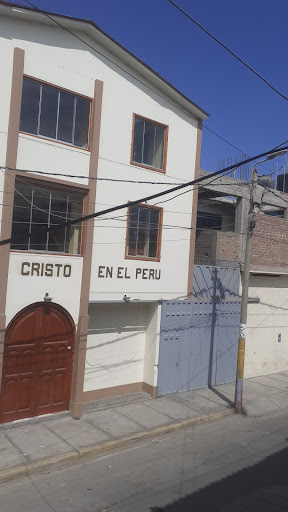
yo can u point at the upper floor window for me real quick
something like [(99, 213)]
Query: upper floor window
[(144, 232), (149, 145), (37, 208), (209, 221), (53, 113)]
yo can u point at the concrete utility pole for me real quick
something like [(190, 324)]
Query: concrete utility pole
[(245, 286), (244, 300)]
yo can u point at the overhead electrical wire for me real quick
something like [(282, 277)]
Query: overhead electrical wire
[(125, 215), (158, 194), (81, 177), (49, 16), (228, 49), (256, 235), (48, 173), (191, 190), (129, 74)]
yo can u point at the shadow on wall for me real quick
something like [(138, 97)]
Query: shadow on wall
[(262, 487), (119, 317)]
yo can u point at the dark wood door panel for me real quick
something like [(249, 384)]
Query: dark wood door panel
[(37, 363), (18, 400)]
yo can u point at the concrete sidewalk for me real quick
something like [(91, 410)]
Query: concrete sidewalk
[(29, 446)]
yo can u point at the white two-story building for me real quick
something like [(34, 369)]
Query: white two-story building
[(85, 126)]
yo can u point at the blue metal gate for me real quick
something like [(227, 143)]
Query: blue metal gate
[(198, 344)]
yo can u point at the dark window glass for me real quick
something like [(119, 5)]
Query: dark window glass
[(54, 113), (66, 116), (37, 208), (153, 233), (148, 149), (30, 106), (159, 147), (138, 140), (21, 217), (143, 232), (82, 122), (133, 230), (40, 219), (74, 232), (148, 143), (209, 221), (49, 109), (58, 213)]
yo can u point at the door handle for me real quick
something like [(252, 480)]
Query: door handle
[(177, 363), (69, 348)]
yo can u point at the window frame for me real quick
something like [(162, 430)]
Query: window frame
[(159, 241), (59, 88), (144, 166), (60, 186)]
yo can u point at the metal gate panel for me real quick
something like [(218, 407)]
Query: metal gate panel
[(211, 282), (200, 335), (198, 344), (176, 324), (183, 361), (168, 370), (226, 342)]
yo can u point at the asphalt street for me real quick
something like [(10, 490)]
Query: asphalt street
[(233, 464)]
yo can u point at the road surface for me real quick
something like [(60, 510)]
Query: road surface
[(234, 464)]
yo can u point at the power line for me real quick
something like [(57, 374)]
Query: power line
[(263, 237), (228, 50), (81, 177), (274, 194), (129, 74), (233, 145), (159, 194), (114, 62), (224, 140), (186, 191)]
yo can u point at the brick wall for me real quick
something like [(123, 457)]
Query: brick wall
[(205, 247), (270, 241), (227, 247), (216, 245)]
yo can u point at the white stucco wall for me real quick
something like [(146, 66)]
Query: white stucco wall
[(264, 354), (150, 373), (52, 55), (116, 344), (25, 289), (123, 340)]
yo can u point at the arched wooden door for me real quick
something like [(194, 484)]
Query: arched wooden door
[(37, 364)]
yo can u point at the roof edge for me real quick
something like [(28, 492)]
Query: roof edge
[(194, 109)]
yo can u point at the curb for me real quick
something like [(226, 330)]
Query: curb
[(68, 458)]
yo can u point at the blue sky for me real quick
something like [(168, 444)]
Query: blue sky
[(242, 108)]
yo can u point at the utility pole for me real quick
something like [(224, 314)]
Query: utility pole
[(245, 287), (244, 301)]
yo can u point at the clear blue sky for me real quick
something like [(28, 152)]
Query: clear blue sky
[(242, 108)]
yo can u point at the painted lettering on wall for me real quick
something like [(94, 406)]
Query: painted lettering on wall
[(45, 269), (105, 272)]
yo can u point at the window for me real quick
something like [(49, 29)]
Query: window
[(149, 144), (144, 232), (209, 221), (37, 208), (54, 113)]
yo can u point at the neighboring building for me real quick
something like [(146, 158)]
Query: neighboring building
[(221, 241), (282, 182), (80, 306)]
